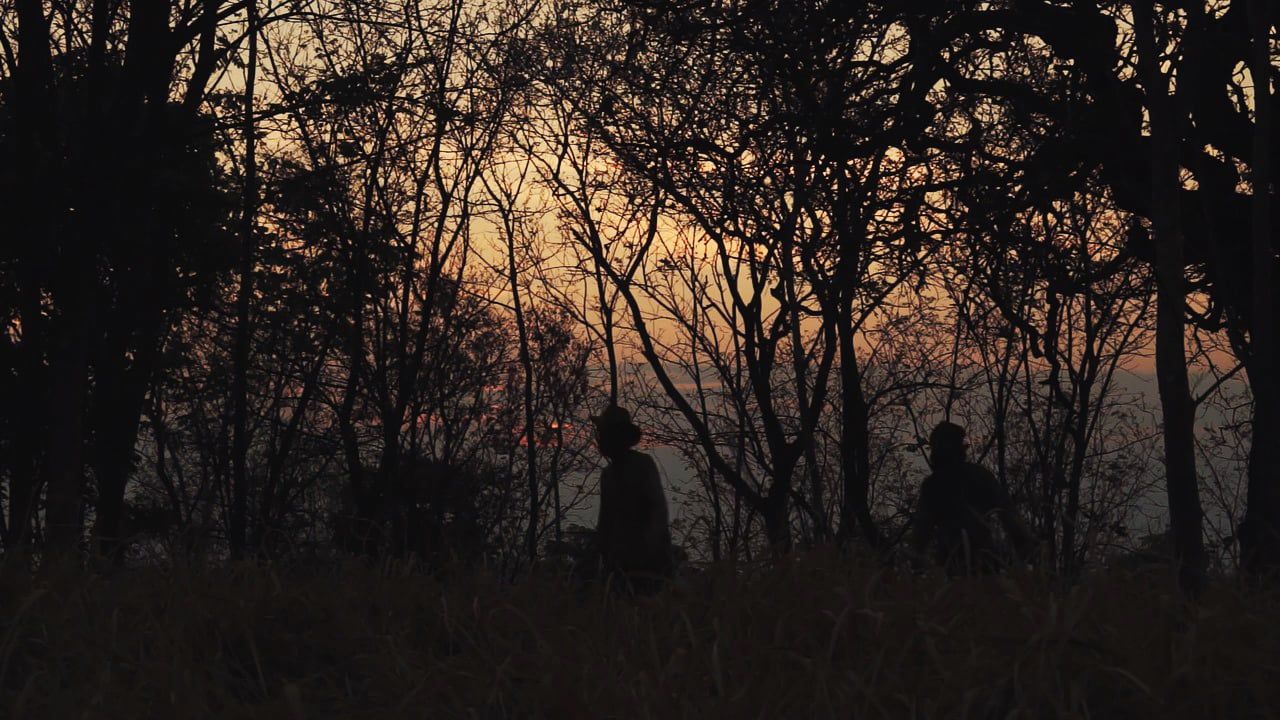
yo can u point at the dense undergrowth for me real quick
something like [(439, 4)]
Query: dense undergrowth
[(812, 636)]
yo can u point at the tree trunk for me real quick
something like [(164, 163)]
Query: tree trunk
[(63, 447), (23, 490), (123, 370), (238, 521), (116, 416), (1087, 375), (526, 366), (35, 140), (777, 517), (606, 320), (855, 452), (22, 495), (358, 530), (1071, 516), (1185, 514), (800, 365), (1260, 530)]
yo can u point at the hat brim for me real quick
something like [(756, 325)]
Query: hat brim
[(627, 433), (603, 422)]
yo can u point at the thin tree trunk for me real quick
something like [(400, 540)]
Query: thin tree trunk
[(740, 461), (23, 488), (63, 447), (558, 518), (358, 530), (1071, 516), (32, 103), (606, 319), (1185, 514), (777, 516), (1260, 530), (118, 414), (713, 490), (800, 366), (1080, 432), (526, 365), (855, 457), (238, 522)]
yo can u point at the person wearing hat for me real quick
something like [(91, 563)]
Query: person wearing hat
[(632, 529), (955, 507)]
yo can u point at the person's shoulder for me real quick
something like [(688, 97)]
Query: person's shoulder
[(929, 486), (974, 470), (643, 463), (629, 463), (983, 478), (635, 457)]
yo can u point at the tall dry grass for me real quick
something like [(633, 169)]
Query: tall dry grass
[(810, 637)]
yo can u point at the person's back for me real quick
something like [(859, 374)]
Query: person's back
[(635, 536), (632, 529), (957, 504)]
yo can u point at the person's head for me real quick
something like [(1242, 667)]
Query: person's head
[(615, 433), (946, 444)]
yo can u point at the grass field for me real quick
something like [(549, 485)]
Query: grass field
[(811, 636)]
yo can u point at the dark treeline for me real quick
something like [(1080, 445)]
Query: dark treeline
[(327, 275)]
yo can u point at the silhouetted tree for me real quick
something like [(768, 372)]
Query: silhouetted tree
[(1203, 126), (781, 142), (114, 200)]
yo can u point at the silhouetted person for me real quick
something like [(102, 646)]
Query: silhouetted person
[(955, 508), (632, 531)]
